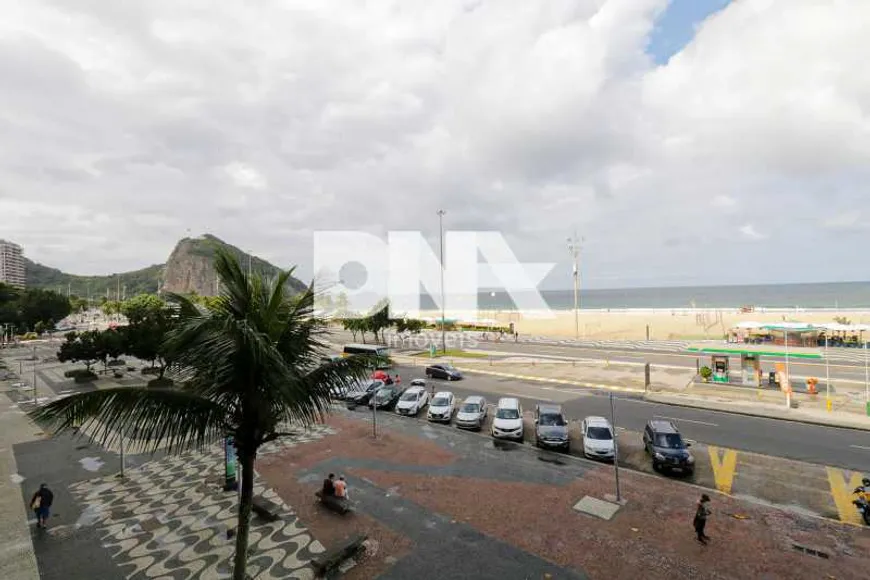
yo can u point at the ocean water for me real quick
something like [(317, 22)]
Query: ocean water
[(833, 295)]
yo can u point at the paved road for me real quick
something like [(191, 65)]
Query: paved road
[(664, 353), (845, 448), (839, 369)]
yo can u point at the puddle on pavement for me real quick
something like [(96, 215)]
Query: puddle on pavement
[(502, 445), (549, 458)]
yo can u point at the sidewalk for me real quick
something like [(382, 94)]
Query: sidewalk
[(427, 496), (17, 559)]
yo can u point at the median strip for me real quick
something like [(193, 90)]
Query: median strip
[(554, 380)]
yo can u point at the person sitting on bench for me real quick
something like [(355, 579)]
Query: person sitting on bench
[(329, 486), (341, 488)]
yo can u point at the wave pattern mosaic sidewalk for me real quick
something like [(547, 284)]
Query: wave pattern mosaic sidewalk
[(169, 519)]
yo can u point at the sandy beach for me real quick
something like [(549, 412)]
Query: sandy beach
[(664, 324)]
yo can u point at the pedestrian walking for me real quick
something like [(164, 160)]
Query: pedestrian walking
[(701, 513), (41, 504)]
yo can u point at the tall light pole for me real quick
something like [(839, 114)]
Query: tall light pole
[(827, 376), (866, 379), (441, 213), (574, 246)]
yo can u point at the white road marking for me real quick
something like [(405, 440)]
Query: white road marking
[(526, 396), (860, 447), (686, 420)]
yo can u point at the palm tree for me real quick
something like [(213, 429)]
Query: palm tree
[(246, 366)]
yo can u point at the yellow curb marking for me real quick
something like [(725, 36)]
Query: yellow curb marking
[(841, 491), (724, 468)]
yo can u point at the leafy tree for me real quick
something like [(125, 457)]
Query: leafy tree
[(80, 347), (412, 325), (111, 344), (149, 320), (110, 307), (78, 304), (250, 366), (38, 305), (379, 321), (352, 325)]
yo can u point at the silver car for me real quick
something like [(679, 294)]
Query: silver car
[(472, 413)]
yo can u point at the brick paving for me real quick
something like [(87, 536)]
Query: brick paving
[(426, 493)]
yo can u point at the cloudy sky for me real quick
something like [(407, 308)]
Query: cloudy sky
[(689, 142)]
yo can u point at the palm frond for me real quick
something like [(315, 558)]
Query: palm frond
[(156, 417)]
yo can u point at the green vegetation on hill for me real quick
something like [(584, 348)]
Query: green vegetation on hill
[(142, 281)]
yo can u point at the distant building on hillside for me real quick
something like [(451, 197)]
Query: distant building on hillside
[(11, 264)]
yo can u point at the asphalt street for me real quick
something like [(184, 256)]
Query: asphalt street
[(638, 352), (846, 448), (838, 369)]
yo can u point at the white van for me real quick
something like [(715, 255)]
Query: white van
[(508, 420)]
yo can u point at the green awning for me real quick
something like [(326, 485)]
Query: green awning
[(796, 352)]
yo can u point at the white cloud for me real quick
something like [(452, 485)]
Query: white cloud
[(245, 176), (846, 221), (261, 122), (724, 201), (750, 232)]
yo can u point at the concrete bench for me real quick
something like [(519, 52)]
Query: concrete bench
[(330, 560), (265, 509), (332, 503)]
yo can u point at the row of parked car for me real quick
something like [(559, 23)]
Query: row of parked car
[(662, 440)]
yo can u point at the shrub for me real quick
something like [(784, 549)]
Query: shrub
[(706, 373), (160, 383), (73, 373), (29, 336), (118, 362), (85, 377)]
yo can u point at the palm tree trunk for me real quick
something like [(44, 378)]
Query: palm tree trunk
[(245, 501)]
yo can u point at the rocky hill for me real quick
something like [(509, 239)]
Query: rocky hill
[(188, 269)]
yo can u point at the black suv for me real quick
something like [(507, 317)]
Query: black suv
[(665, 445)]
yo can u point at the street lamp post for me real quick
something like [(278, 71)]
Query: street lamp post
[(615, 448), (441, 213), (574, 245), (827, 376), (866, 379)]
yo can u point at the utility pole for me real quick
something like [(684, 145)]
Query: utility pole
[(615, 448), (827, 376), (441, 213), (574, 247)]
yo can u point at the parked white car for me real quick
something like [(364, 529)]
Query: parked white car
[(472, 413), (598, 437), (412, 401), (441, 407), (508, 420)]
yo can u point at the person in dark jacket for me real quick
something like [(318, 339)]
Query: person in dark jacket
[(41, 504), (701, 513), (329, 486)]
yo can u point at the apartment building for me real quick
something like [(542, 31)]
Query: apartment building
[(11, 264)]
